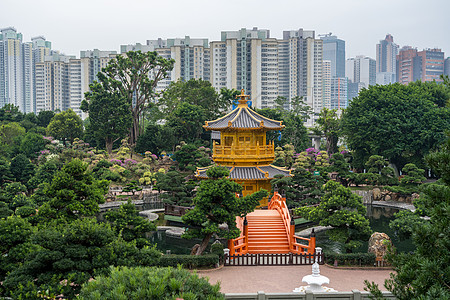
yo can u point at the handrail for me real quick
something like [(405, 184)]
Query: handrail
[(278, 203), (267, 150)]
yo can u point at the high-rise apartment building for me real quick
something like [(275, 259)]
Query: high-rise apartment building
[(97, 61), (339, 93), (447, 66), (426, 65), (360, 72), (326, 84), (431, 64), (335, 96), (192, 57), (41, 49), (334, 51), (237, 62), (386, 68), (406, 59), (16, 70), (361, 69)]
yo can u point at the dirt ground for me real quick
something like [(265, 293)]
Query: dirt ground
[(283, 279)]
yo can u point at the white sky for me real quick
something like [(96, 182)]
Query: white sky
[(72, 26)]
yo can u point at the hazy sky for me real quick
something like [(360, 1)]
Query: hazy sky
[(72, 26)]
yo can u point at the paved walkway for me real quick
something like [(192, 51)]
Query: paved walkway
[(284, 279)]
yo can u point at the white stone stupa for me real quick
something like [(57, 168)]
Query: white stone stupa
[(315, 280)]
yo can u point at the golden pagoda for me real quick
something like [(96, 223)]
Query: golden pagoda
[(244, 149)]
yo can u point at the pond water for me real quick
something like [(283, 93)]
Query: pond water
[(379, 218), (176, 245)]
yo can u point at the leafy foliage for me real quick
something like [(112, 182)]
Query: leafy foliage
[(73, 253), (127, 221), (66, 126), (134, 77), (73, 192), (329, 124), (109, 114), (425, 274), (342, 210), (408, 115), (150, 283), (176, 189)]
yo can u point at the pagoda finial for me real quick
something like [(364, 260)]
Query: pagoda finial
[(242, 101)]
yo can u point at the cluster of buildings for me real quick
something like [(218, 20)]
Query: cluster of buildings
[(35, 77)]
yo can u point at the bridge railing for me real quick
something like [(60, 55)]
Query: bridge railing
[(239, 246), (297, 244)]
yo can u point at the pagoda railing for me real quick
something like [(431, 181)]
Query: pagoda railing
[(255, 153)]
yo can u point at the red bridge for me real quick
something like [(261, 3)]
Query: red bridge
[(270, 231)]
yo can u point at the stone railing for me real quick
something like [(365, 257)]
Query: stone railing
[(308, 295)]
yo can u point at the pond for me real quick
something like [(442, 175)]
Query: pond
[(379, 218), (176, 245)]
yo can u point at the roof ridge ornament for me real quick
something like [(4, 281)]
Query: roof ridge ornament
[(242, 101)]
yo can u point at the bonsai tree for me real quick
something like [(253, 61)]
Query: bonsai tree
[(342, 210), (216, 204)]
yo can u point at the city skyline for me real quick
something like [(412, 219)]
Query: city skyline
[(93, 25)]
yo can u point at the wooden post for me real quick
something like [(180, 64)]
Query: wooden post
[(312, 242), (245, 248), (291, 235), (231, 246)]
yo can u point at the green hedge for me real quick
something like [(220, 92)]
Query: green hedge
[(350, 259), (189, 261)]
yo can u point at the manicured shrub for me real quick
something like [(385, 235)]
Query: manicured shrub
[(150, 283), (350, 259), (189, 261)]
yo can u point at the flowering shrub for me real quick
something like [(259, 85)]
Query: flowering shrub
[(116, 161)]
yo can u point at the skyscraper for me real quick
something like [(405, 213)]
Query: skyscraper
[(360, 72), (334, 51), (447, 66), (387, 52), (16, 70), (361, 69)]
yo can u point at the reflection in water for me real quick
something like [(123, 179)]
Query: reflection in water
[(379, 218)]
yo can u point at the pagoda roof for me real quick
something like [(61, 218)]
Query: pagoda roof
[(242, 117), (249, 173)]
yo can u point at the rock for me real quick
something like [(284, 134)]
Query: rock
[(401, 199), (378, 243), (376, 194), (387, 198)]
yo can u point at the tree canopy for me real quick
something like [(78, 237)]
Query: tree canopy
[(399, 122), (134, 77), (66, 126), (342, 210), (109, 114)]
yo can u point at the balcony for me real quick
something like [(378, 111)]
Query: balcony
[(236, 155)]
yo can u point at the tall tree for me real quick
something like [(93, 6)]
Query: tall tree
[(134, 76), (401, 123), (66, 126), (109, 114), (329, 125), (216, 204)]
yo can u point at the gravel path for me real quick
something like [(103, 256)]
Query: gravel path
[(283, 279)]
